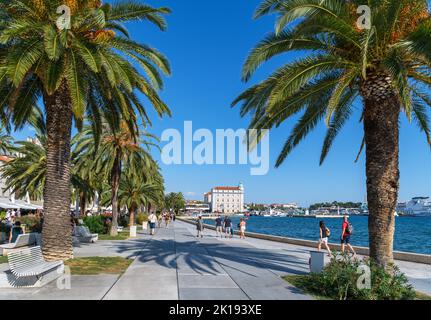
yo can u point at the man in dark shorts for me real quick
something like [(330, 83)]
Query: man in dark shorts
[(345, 236), (219, 226), (227, 226)]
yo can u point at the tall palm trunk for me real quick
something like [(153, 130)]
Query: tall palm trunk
[(382, 110), (132, 212), (82, 203), (57, 229), (99, 208), (115, 184)]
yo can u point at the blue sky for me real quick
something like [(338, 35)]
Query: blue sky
[(207, 43)]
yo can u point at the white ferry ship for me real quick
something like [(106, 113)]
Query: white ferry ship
[(418, 206)]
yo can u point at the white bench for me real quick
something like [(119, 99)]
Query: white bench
[(84, 235), (29, 268), (23, 240)]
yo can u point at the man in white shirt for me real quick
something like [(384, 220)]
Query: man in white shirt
[(152, 218)]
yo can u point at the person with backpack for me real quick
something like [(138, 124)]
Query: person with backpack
[(227, 226), (152, 218), (200, 227), (325, 233), (347, 231)]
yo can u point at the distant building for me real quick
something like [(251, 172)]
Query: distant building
[(226, 199), (208, 197), (284, 206), (8, 200), (197, 207)]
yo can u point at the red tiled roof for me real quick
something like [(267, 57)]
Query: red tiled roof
[(226, 188), (5, 159)]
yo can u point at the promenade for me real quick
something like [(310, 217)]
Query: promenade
[(175, 265)]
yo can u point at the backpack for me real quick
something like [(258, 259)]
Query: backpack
[(349, 229)]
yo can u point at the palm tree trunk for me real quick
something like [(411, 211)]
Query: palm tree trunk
[(57, 229), (99, 208), (381, 117), (115, 183), (132, 212), (82, 203)]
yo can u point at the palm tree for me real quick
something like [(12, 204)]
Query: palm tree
[(89, 66), (139, 189), (116, 150), (6, 142), (87, 181), (175, 201), (26, 173), (84, 191), (387, 67)]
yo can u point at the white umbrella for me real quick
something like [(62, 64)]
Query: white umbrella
[(9, 205)]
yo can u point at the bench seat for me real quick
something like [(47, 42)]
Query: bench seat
[(83, 234), (36, 270), (23, 240), (29, 262)]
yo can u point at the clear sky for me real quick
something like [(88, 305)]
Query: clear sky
[(207, 43)]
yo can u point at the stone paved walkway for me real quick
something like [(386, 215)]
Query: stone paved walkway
[(177, 265)]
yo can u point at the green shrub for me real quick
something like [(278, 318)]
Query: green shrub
[(32, 222), (339, 280), (141, 218), (2, 215), (123, 221), (96, 224)]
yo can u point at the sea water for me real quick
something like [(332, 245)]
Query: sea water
[(412, 234)]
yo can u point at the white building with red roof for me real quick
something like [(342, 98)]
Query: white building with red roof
[(226, 200)]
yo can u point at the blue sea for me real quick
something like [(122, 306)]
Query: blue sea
[(412, 234)]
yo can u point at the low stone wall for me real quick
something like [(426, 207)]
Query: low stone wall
[(401, 256)]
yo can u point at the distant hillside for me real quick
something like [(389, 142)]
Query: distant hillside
[(356, 205)]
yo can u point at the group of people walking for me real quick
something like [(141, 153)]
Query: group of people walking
[(154, 220), (224, 227), (346, 233)]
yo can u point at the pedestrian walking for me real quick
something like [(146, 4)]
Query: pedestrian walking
[(242, 227), (227, 226), (200, 227), (346, 233), (325, 233), (152, 218), (219, 226)]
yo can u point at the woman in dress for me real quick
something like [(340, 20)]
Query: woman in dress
[(242, 225)]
